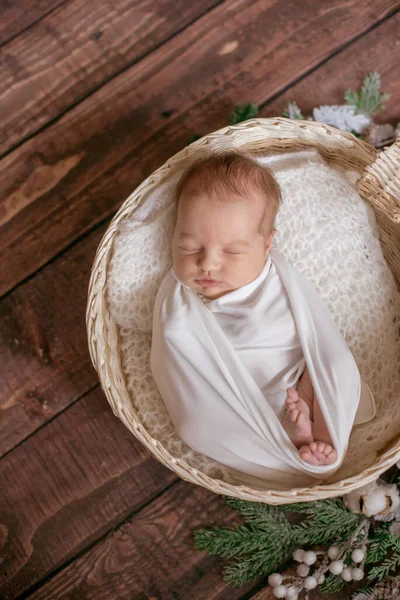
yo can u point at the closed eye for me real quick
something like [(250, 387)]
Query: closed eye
[(189, 249), (228, 252)]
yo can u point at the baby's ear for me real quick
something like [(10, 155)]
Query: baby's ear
[(270, 238)]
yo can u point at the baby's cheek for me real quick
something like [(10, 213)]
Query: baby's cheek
[(183, 265)]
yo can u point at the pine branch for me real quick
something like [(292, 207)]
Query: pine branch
[(332, 584), (326, 521), (369, 100), (242, 540), (257, 565), (389, 564), (257, 513), (292, 111), (351, 97), (364, 592), (243, 112), (379, 546)]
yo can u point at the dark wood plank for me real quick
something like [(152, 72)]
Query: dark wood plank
[(68, 485), (347, 70), (76, 172), (152, 556), (15, 17), (43, 347), (74, 50)]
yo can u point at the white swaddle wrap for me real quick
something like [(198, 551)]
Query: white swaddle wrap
[(223, 366)]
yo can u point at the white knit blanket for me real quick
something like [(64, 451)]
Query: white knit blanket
[(330, 235)]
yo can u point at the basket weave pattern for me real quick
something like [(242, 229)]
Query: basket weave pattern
[(378, 182)]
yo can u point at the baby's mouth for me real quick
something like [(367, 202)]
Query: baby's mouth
[(207, 282)]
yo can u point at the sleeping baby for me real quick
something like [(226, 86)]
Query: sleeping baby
[(246, 356)]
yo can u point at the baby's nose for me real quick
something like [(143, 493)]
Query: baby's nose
[(209, 261)]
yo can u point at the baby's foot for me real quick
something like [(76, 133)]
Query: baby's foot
[(299, 414), (318, 453)]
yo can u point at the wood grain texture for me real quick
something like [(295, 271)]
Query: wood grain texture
[(76, 172), (73, 51), (15, 17), (43, 346), (152, 556), (379, 51), (68, 485)]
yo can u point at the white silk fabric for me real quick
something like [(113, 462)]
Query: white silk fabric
[(223, 366)]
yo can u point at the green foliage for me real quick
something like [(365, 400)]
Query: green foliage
[(261, 546), (332, 584), (243, 112), (381, 541), (366, 592), (292, 111), (326, 521), (369, 99), (390, 564), (268, 538)]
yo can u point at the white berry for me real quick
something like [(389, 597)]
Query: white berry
[(309, 558), (298, 555), (347, 574), (280, 591), (275, 579), (358, 555), (310, 583), (336, 567), (358, 574), (333, 552), (292, 593), (303, 570), (321, 579)]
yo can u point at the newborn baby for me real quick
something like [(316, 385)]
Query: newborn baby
[(245, 354), (225, 224)]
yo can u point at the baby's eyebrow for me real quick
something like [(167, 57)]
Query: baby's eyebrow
[(186, 236), (238, 243)]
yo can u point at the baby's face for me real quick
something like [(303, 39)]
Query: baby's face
[(217, 246)]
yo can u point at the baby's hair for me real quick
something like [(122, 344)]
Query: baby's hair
[(232, 176)]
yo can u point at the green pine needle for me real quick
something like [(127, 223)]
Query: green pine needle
[(258, 513), (332, 584), (366, 591), (388, 565), (259, 564), (239, 540), (267, 538), (292, 111), (326, 521), (369, 99), (381, 542), (243, 112)]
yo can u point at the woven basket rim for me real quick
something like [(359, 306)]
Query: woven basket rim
[(276, 133)]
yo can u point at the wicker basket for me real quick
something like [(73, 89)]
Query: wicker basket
[(377, 180)]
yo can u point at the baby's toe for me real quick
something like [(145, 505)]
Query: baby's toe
[(293, 414), (327, 449), (305, 452), (292, 395), (307, 455)]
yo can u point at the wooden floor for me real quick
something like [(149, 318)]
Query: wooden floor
[(93, 97)]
